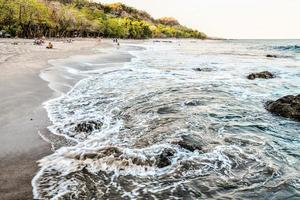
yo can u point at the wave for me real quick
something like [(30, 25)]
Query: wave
[(163, 132), (293, 48)]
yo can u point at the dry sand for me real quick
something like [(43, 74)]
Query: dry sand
[(22, 116)]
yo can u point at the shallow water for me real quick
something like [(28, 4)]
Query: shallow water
[(159, 128)]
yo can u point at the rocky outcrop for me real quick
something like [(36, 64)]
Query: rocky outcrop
[(264, 75), (198, 69), (271, 56), (88, 126), (164, 159), (287, 106), (169, 21), (166, 110), (191, 142)]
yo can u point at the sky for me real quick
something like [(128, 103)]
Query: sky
[(234, 19)]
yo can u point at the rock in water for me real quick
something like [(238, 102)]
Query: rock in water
[(166, 110), (287, 106), (191, 142), (264, 74), (164, 159), (202, 69), (271, 56), (88, 126)]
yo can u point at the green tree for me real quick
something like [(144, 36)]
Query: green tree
[(68, 18), (32, 16)]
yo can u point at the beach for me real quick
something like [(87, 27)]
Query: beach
[(22, 115), (132, 100), (148, 119)]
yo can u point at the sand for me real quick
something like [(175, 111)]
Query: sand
[(22, 115)]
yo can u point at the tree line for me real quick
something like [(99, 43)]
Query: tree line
[(80, 18)]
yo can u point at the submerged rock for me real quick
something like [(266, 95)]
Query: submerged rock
[(264, 74), (164, 159), (271, 56), (193, 103), (88, 126), (191, 142), (226, 184), (287, 106), (198, 69), (166, 110)]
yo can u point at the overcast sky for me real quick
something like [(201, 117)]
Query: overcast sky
[(229, 18)]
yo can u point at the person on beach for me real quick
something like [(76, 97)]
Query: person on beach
[(37, 42), (115, 40), (50, 46)]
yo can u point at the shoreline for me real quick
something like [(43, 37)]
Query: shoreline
[(64, 74), (58, 75), (23, 115)]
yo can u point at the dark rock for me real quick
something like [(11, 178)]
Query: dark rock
[(88, 156), (88, 126), (164, 159), (166, 110), (271, 56), (7, 35), (191, 142), (264, 74), (287, 106), (226, 185), (198, 69)]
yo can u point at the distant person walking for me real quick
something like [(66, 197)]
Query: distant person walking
[(115, 40)]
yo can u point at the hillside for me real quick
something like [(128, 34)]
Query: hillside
[(72, 18)]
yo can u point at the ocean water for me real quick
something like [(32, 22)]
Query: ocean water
[(180, 120)]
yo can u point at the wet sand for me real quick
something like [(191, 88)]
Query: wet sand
[(22, 115)]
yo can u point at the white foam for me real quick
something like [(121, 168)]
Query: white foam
[(127, 99)]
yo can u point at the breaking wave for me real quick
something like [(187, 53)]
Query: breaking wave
[(293, 48)]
